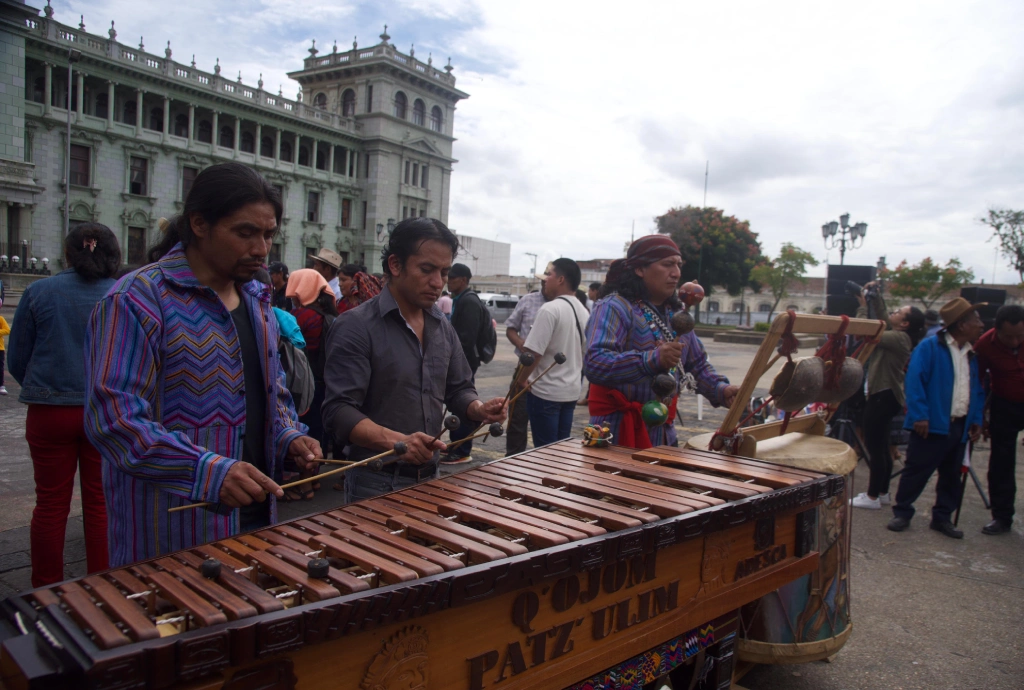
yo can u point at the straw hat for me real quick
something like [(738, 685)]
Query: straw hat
[(956, 309), (325, 255)]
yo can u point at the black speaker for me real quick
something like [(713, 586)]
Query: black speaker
[(841, 304), (838, 275), (983, 294)]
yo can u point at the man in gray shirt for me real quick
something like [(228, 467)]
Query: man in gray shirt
[(395, 361), (517, 328)]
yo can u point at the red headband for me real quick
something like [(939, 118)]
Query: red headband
[(643, 252)]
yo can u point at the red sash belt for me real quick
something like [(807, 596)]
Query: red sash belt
[(632, 431)]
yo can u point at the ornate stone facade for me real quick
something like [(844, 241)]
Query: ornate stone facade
[(367, 142)]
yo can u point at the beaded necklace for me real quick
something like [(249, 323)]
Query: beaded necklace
[(657, 325)]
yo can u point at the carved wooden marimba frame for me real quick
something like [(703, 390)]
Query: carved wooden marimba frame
[(540, 570)]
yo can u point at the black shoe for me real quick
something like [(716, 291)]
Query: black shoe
[(947, 528), (996, 527), (898, 524)]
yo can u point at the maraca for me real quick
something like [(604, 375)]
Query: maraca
[(664, 386), (691, 293), (682, 323)]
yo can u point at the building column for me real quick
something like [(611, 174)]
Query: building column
[(216, 130), (348, 161), (111, 105), (277, 146), (238, 135), (191, 124), (48, 96), (330, 161), (167, 118), (80, 100), (259, 139), (139, 111)]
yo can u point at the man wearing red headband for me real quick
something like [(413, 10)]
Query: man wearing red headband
[(631, 340)]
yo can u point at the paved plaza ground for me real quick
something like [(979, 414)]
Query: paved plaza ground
[(928, 611)]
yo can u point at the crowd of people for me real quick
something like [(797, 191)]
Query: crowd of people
[(178, 384)]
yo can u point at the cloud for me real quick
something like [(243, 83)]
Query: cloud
[(587, 119)]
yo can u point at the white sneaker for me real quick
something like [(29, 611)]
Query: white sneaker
[(884, 499), (865, 501), (3, 390)]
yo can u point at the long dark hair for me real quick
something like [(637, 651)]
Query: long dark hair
[(408, 235), (631, 286), (350, 270), (218, 191), (92, 250), (324, 304), (916, 328)]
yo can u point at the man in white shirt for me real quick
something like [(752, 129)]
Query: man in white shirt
[(327, 264), (944, 409), (558, 328)]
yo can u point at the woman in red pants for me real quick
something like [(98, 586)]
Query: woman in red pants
[(46, 356)]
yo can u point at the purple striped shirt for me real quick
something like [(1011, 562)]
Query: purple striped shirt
[(165, 405), (622, 354)]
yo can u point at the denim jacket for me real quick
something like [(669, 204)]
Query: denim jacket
[(46, 349)]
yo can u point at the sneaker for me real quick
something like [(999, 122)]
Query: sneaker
[(884, 499), (448, 459), (865, 501), (3, 390)]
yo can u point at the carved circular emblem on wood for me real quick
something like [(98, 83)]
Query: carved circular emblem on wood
[(401, 664)]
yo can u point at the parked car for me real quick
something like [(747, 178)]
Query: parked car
[(499, 304)]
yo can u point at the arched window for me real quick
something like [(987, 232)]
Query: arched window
[(419, 113), (128, 113), (205, 132), (321, 159), (156, 119), (737, 307), (303, 155), (348, 103), (181, 125), (248, 143), (227, 137), (267, 147), (38, 89), (435, 119), (102, 107), (401, 102), (764, 307), (320, 101), (286, 152)]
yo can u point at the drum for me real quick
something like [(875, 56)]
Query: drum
[(809, 618)]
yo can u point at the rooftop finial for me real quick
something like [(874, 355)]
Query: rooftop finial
[(355, 42), (112, 33), (239, 76), (216, 68), (48, 10), (335, 49), (81, 22), (167, 51), (193, 60), (142, 46), (448, 68), (280, 91), (384, 38), (412, 50), (430, 58), (313, 51), (260, 82)]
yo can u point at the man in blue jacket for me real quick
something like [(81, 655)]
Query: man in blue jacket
[(945, 402)]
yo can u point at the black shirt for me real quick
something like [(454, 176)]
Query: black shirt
[(253, 451), (467, 319), (278, 299)]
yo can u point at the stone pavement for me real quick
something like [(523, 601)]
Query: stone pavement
[(928, 611)]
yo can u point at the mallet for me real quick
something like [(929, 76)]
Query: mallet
[(495, 429), (559, 359), (526, 359), (375, 463)]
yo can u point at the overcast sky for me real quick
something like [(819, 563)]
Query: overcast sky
[(587, 117)]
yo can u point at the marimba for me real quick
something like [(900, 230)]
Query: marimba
[(561, 565)]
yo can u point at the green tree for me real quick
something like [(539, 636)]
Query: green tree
[(724, 248), (927, 281), (778, 274), (1008, 227)]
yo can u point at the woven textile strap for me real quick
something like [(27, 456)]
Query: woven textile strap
[(834, 353)]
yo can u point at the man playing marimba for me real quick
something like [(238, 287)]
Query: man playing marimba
[(394, 361)]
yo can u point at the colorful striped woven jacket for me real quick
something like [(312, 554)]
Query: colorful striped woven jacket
[(622, 354), (165, 405)]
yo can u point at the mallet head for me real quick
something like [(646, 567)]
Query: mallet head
[(682, 323), (526, 359), (496, 429), (451, 422), (400, 448), (560, 358)]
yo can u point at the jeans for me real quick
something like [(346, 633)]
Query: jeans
[(362, 483), (57, 443), (518, 426), (878, 415), (1006, 422), (942, 452), (550, 421)]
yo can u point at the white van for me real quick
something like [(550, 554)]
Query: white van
[(499, 304)]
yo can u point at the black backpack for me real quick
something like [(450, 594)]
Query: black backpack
[(298, 377), (487, 338)]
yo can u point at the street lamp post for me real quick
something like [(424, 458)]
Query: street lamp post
[(74, 55), (843, 227)]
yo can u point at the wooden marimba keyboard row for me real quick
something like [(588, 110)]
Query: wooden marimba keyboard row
[(546, 497)]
